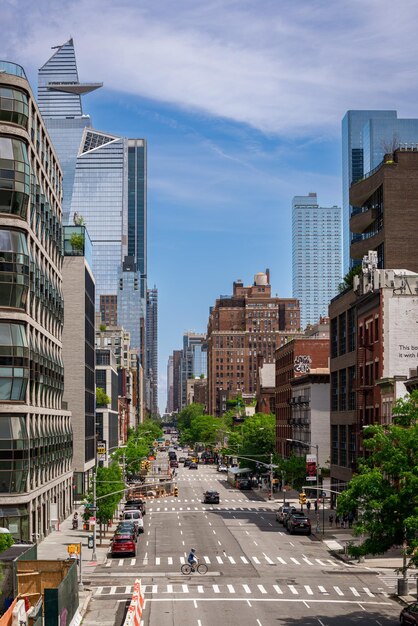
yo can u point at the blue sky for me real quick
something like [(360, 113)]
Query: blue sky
[(241, 103)]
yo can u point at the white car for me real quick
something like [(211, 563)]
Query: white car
[(222, 468), (134, 516)]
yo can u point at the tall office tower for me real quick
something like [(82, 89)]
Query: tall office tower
[(36, 435), (366, 137), (95, 166), (316, 256), (137, 206), (59, 100), (193, 361), (177, 354), (152, 349), (78, 352), (242, 327), (130, 302), (170, 381)]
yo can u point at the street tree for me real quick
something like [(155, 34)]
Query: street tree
[(258, 435), (384, 493)]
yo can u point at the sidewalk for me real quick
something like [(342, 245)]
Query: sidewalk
[(54, 547)]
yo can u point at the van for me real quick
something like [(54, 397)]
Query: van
[(136, 518)]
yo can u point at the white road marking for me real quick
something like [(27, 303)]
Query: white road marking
[(308, 590), (231, 589), (108, 564), (369, 593), (120, 562), (338, 590), (354, 592), (268, 559), (293, 589), (305, 558), (133, 561), (294, 560), (112, 591), (154, 588), (255, 543), (207, 559), (320, 562), (254, 558), (277, 589), (232, 560), (157, 560), (262, 589), (169, 588), (218, 558), (185, 588), (200, 589), (279, 558), (243, 559), (182, 560), (195, 604), (246, 588), (215, 588), (323, 590), (170, 560), (99, 591)]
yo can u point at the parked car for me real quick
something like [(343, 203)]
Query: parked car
[(222, 468), (136, 503), (211, 497), (298, 523), (283, 512), (126, 528), (244, 484), (182, 459), (409, 615), (134, 516), (193, 466), (187, 462), (123, 545)]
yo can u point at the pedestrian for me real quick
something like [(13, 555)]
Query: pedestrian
[(331, 519), (345, 520), (308, 505), (350, 519), (316, 506), (337, 521)]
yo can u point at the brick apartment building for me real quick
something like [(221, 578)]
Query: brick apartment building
[(374, 352), (297, 358), (242, 327)]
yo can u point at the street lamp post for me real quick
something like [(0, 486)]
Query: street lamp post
[(316, 446)]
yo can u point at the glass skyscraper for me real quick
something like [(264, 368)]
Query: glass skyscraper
[(59, 99), (366, 137), (316, 256), (137, 206), (130, 303)]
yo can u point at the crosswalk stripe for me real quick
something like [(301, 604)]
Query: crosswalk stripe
[(279, 558), (369, 593), (305, 558), (216, 589), (218, 558), (182, 560), (268, 559), (294, 560), (207, 559), (120, 562), (262, 589), (331, 562), (338, 590), (112, 591), (232, 560), (254, 558), (354, 592), (243, 559), (320, 562), (133, 561), (157, 560), (323, 590), (99, 591), (169, 588), (308, 590), (277, 589), (108, 564), (185, 588), (231, 589), (200, 589), (246, 588), (293, 590), (170, 560), (128, 588)]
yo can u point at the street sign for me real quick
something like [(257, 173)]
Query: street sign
[(73, 548), (101, 451), (92, 521)]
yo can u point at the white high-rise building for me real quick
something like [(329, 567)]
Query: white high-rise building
[(316, 256)]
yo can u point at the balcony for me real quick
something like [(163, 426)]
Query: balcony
[(360, 222), (360, 248), (299, 400)]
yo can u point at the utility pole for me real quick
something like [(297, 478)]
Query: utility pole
[(271, 475)]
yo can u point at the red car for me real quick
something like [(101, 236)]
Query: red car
[(123, 545)]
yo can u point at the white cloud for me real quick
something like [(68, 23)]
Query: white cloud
[(283, 67)]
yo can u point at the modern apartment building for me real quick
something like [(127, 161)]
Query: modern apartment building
[(241, 327), (193, 362), (385, 216), (170, 382), (366, 137), (152, 350), (78, 352), (316, 256), (36, 433)]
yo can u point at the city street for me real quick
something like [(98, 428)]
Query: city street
[(257, 573)]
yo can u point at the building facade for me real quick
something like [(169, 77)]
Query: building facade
[(241, 327), (170, 383), (316, 256), (78, 349), (107, 415), (385, 217), (193, 362), (152, 350), (129, 301), (36, 433)]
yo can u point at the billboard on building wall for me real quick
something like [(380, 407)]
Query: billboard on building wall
[(400, 332), (311, 467)]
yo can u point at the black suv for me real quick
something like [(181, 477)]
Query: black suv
[(211, 497), (298, 522)]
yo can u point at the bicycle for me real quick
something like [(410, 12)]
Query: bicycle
[(201, 568)]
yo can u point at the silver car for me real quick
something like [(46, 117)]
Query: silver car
[(283, 513)]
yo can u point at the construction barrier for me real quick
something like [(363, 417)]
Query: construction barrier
[(134, 615)]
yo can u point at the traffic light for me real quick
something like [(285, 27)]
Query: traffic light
[(302, 498), (176, 492)]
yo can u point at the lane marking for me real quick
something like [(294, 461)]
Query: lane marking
[(308, 590), (218, 558), (254, 558), (169, 588), (243, 559), (246, 588), (369, 593), (338, 590), (294, 560), (216, 588), (277, 589), (268, 559), (232, 560), (262, 589), (231, 589), (354, 592), (323, 590), (279, 558)]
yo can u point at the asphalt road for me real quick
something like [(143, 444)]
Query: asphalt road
[(258, 575)]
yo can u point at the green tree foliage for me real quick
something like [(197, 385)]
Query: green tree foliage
[(384, 493), (185, 417), (258, 434), (292, 470), (109, 480), (101, 398), (6, 540), (348, 279), (140, 442)]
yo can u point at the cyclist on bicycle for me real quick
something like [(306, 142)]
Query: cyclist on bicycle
[(192, 559)]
